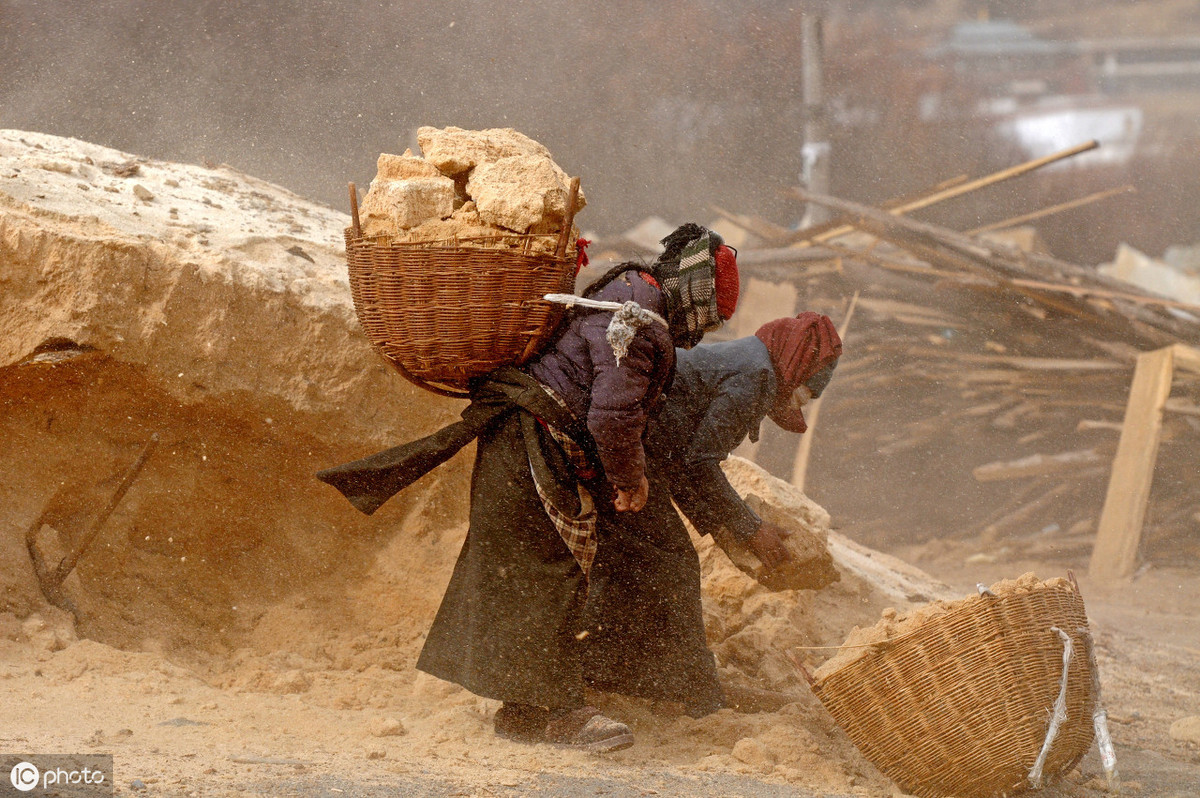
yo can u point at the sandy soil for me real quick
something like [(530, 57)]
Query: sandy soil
[(298, 721)]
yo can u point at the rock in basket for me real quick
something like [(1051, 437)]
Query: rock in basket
[(962, 705), (443, 312)]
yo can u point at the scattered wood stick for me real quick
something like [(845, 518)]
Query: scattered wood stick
[(958, 190), (1051, 210), (1035, 465), (800, 465), (354, 222)]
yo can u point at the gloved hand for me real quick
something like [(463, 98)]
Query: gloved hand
[(633, 500), (768, 546)]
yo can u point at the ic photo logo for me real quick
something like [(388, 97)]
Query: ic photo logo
[(24, 776), (61, 775)]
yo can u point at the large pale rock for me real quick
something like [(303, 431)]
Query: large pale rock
[(524, 193), (456, 151), (225, 285)]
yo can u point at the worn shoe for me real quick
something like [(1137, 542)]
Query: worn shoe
[(588, 730), (524, 723)]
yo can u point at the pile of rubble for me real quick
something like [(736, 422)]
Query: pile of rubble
[(470, 184)]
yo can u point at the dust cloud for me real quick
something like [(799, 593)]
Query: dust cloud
[(664, 109), (651, 106)]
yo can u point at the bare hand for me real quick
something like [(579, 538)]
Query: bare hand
[(633, 500), (767, 544)]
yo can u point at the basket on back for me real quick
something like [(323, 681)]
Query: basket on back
[(961, 705), (444, 312)]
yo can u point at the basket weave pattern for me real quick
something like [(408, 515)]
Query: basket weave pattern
[(961, 706), (445, 312)]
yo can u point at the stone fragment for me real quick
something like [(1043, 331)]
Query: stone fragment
[(393, 205), (403, 167), (456, 151), (1186, 730), (523, 193)]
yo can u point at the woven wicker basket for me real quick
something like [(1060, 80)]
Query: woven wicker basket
[(444, 312), (961, 706)]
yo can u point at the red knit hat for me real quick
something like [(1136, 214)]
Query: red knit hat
[(728, 283), (799, 348)]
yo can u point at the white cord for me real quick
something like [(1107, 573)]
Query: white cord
[(1058, 717), (571, 300)]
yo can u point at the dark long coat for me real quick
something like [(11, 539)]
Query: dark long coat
[(644, 605)]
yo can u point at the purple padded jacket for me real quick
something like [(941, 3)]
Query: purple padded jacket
[(616, 401)]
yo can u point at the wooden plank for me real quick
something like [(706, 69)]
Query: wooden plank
[(1019, 361), (762, 302), (1182, 406), (1187, 357), (1120, 529), (1085, 292), (1035, 465)]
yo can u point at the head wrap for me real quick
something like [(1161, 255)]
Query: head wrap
[(687, 271), (799, 348)]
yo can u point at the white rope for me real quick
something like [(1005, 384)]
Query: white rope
[(1059, 715), (627, 319), (570, 300)]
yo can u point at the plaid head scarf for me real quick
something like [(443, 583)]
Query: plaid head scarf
[(687, 273)]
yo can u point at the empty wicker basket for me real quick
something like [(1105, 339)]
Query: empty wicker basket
[(961, 705), (444, 312)]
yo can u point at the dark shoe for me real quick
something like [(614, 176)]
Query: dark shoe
[(524, 723), (588, 730)]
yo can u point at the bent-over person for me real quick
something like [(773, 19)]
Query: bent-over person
[(644, 615)]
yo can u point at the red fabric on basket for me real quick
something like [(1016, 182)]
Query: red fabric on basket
[(581, 258)]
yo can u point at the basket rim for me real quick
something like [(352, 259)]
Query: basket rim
[(383, 239), (874, 653)]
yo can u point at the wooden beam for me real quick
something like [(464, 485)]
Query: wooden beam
[(892, 264), (808, 234), (1120, 530), (959, 190), (1187, 357)]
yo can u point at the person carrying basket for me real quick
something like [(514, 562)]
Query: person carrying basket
[(560, 444)]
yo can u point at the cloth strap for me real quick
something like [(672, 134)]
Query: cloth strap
[(557, 465), (369, 482)]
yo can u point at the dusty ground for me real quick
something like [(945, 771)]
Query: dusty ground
[(241, 631), (294, 722)]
